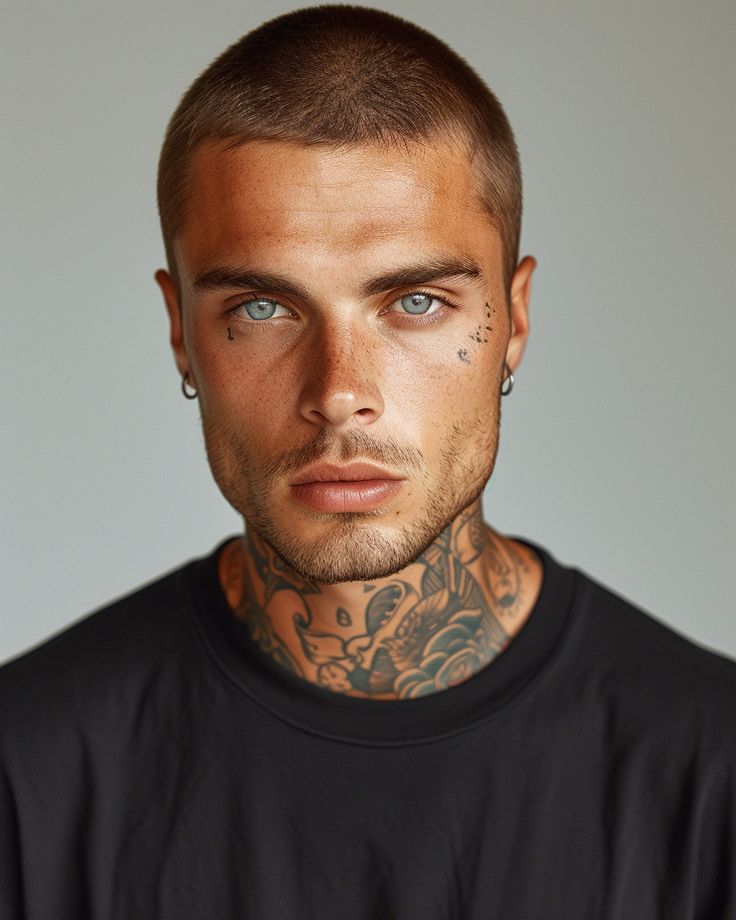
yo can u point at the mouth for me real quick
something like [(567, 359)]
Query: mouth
[(356, 487), (353, 472)]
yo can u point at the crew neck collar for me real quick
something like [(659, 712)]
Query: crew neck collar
[(315, 709)]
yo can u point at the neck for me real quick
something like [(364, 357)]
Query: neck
[(426, 628)]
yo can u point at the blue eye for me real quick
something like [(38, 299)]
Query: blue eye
[(260, 308), (416, 302)]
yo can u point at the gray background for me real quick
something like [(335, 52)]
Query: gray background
[(617, 445)]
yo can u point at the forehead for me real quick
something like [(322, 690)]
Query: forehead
[(292, 200)]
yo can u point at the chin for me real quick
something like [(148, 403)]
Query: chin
[(356, 547), (356, 553)]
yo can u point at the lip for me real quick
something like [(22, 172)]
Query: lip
[(353, 472), (330, 488), (340, 496)]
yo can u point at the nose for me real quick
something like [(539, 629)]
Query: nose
[(340, 381)]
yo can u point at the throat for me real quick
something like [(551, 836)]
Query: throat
[(430, 627)]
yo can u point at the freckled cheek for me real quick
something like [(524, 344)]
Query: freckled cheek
[(428, 391), (231, 391), (220, 363), (248, 396)]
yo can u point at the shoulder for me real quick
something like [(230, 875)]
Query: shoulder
[(136, 616), (86, 670), (625, 629), (645, 668)]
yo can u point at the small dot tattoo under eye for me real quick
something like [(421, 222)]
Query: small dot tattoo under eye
[(230, 335), (463, 355)]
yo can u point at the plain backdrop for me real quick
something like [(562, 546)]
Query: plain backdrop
[(617, 447)]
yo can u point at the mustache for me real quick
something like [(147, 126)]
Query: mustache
[(342, 447)]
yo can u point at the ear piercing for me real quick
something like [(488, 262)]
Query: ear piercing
[(507, 384), (190, 393)]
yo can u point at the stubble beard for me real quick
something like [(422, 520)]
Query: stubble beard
[(351, 548)]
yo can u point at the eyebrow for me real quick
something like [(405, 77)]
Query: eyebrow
[(442, 269), (220, 279), (438, 269)]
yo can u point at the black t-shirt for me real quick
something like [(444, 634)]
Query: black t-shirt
[(157, 764)]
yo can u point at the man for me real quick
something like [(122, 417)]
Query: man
[(371, 704)]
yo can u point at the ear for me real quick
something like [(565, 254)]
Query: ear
[(521, 292), (173, 308)]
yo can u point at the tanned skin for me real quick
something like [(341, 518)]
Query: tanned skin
[(431, 627), (347, 306)]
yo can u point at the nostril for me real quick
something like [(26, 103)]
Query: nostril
[(323, 403)]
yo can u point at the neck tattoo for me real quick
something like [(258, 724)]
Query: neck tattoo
[(431, 626)]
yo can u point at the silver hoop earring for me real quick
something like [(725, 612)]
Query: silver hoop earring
[(508, 383), (190, 394)]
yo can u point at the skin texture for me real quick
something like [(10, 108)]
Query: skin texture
[(417, 594)]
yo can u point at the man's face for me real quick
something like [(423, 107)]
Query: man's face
[(340, 306)]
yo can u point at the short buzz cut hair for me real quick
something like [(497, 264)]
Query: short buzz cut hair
[(344, 76)]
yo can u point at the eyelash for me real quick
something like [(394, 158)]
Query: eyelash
[(422, 319), (263, 323), (417, 319)]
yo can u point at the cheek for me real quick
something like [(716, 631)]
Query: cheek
[(229, 377), (438, 390), (238, 403)]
